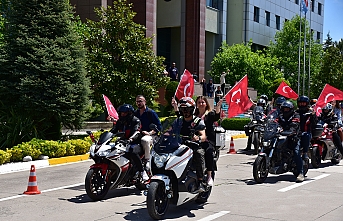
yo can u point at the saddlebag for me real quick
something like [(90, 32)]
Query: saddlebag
[(220, 137)]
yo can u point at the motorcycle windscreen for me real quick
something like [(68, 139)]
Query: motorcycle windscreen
[(270, 130), (104, 137), (167, 144), (258, 113)]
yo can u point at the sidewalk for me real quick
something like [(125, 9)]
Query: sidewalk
[(25, 166)]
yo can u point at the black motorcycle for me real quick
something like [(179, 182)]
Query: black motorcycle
[(276, 156), (255, 128)]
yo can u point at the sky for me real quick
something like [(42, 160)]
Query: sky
[(333, 19)]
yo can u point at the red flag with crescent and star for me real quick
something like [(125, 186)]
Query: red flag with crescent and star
[(110, 109), (286, 91), (328, 94), (186, 85), (237, 98)]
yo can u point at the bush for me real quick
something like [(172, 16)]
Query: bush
[(5, 156), (80, 146), (24, 149), (234, 123)]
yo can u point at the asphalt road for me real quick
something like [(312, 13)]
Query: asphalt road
[(235, 195)]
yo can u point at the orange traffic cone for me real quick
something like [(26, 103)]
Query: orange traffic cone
[(232, 147), (32, 187)]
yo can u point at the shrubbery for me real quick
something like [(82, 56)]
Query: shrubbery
[(234, 123)]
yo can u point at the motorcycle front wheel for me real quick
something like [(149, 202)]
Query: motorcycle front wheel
[(157, 200), (96, 184), (256, 142), (315, 157), (260, 170)]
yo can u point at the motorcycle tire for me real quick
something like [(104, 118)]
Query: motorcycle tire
[(256, 143), (315, 157), (260, 170), (96, 185), (157, 200)]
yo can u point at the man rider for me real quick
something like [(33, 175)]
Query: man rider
[(289, 120), (147, 116), (308, 121), (268, 107), (260, 103), (130, 125), (183, 126), (276, 110), (329, 117)]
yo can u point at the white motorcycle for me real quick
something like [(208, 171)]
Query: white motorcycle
[(113, 166), (174, 178)]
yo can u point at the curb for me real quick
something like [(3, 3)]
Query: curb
[(239, 136), (70, 159)]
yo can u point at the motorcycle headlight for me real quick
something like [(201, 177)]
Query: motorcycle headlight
[(104, 153), (266, 143), (255, 122), (159, 160)]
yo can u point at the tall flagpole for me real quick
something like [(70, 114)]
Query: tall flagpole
[(299, 50), (304, 74), (309, 55)]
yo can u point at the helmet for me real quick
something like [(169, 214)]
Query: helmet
[(279, 101), (313, 101), (186, 106), (327, 109), (265, 97), (261, 102), (303, 99), (125, 108), (290, 109)]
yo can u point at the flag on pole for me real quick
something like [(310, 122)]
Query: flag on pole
[(237, 98), (286, 91), (304, 6), (327, 95), (110, 109), (186, 85)]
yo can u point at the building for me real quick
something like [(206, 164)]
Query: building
[(189, 32)]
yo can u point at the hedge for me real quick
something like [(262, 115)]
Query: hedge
[(234, 123)]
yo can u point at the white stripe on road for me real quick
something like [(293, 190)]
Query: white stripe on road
[(214, 216), (303, 183), (43, 191)]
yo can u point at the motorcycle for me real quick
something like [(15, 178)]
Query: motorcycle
[(276, 156), (174, 178), (255, 128), (113, 165), (322, 146)]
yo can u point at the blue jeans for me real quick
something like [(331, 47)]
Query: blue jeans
[(305, 141), (209, 94), (297, 157)]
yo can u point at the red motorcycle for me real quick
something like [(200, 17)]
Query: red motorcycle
[(322, 146)]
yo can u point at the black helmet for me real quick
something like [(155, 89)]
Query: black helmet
[(303, 99), (327, 109), (261, 102), (125, 108), (265, 97), (287, 113), (279, 101)]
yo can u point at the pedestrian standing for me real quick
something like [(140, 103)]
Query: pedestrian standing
[(210, 88), (204, 87), (218, 94), (173, 72), (222, 80)]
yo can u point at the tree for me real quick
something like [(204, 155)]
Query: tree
[(286, 48), (42, 67), (122, 63), (241, 61)]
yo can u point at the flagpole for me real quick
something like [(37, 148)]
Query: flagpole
[(309, 54), (179, 82), (304, 74), (299, 50)]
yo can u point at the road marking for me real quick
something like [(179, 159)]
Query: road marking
[(214, 216), (303, 183), (43, 191)]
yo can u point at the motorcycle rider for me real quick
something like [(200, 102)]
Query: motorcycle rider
[(147, 116), (308, 121), (131, 126), (330, 118), (276, 110), (289, 120), (183, 126), (260, 103), (268, 107)]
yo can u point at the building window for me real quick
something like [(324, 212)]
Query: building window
[(212, 3), (312, 5), (297, 2), (318, 35), (319, 8), (256, 14), (277, 18), (268, 18)]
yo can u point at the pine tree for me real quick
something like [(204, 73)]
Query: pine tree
[(42, 66)]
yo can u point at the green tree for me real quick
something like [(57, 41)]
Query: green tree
[(42, 66), (286, 48), (122, 63), (240, 59)]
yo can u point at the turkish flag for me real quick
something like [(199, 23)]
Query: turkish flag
[(286, 91), (237, 98), (328, 94), (186, 85), (110, 109)]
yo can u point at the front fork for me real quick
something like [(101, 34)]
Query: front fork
[(161, 178)]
